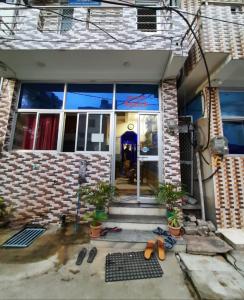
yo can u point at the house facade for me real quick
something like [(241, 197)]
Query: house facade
[(87, 82), (223, 46)]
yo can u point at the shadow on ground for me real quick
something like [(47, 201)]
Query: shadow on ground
[(54, 241)]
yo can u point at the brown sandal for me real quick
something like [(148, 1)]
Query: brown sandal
[(160, 248), (149, 249)]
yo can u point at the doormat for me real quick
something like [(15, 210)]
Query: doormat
[(23, 238), (131, 266)]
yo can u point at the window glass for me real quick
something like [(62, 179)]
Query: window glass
[(94, 129), (81, 132), (69, 133), (148, 135), (105, 132), (47, 133), (194, 108), (234, 132), (41, 96), (89, 96), (232, 104), (137, 97), (24, 131)]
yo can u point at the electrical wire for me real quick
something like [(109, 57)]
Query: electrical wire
[(163, 8)]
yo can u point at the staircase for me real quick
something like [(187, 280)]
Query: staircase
[(137, 222)]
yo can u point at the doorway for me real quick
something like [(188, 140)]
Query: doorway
[(136, 155)]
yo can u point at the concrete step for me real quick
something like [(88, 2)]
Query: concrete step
[(136, 222), (132, 240), (136, 209)]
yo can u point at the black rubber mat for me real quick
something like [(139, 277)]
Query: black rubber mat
[(23, 238), (131, 266)]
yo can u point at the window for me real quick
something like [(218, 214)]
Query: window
[(41, 96), (137, 97), (194, 108), (232, 110), (146, 19), (89, 96)]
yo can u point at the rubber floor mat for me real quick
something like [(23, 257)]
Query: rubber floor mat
[(131, 266), (23, 238)]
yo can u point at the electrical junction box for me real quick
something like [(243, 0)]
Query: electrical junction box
[(219, 145)]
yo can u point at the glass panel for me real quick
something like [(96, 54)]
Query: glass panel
[(69, 133), (194, 108), (137, 97), (105, 132), (47, 133), (148, 135), (89, 96), (234, 132), (232, 104), (94, 124), (24, 131), (81, 133), (41, 96), (148, 178)]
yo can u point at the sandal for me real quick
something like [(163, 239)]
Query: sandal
[(160, 248), (81, 256), (149, 249), (92, 255)]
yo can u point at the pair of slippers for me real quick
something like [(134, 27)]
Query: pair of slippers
[(82, 254), (108, 229), (169, 241), (157, 245)]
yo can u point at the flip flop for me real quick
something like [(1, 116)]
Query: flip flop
[(104, 231), (160, 248), (149, 249), (115, 229), (169, 242), (160, 231), (92, 255), (81, 256)]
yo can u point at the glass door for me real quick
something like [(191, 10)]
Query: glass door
[(147, 156)]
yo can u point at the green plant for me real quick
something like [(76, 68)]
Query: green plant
[(169, 194), (94, 218), (5, 211), (99, 195), (174, 219)]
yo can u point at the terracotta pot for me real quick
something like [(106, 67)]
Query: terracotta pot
[(175, 231), (95, 230)]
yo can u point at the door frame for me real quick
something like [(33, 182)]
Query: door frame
[(149, 158)]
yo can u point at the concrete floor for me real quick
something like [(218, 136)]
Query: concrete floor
[(87, 282)]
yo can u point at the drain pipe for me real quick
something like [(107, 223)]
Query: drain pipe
[(199, 176), (1, 85)]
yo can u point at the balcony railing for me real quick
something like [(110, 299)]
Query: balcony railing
[(65, 19)]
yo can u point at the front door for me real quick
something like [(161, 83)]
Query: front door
[(136, 156), (147, 157)]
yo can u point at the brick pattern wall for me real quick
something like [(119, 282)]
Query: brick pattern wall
[(229, 181), (80, 37), (171, 153)]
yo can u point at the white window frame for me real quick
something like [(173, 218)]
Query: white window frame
[(62, 115)]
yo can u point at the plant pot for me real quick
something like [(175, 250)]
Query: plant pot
[(95, 231), (175, 231)]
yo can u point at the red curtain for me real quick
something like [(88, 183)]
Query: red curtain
[(47, 132), (28, 124)]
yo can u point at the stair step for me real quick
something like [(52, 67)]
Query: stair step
[(136, 222), (132, 240), (136, 209)]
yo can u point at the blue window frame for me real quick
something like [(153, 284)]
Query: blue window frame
[(232, 104), (89, 96), (41, 96), (137, 97)]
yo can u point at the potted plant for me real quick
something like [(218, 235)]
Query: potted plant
[(5, 212), (95, 222), (99, 195), (174, 222), (169, 194)]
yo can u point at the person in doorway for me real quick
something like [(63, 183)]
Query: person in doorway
[(127, 159)]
